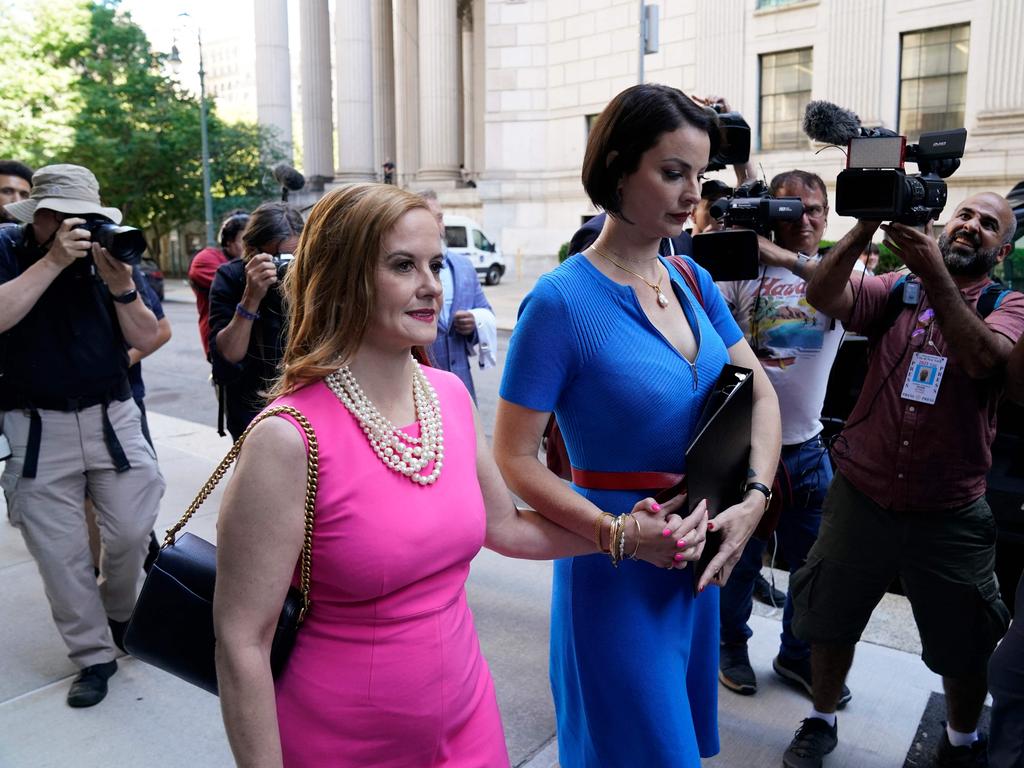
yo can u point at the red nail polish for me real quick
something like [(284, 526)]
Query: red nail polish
[(656, 507), (667, 532), (681, 543), (711, 526), (679, 557)]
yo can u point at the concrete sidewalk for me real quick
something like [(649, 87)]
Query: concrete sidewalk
[(150, 718)]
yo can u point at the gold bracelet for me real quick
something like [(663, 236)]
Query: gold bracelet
[(598, 527), (613, 549), (637, 548)]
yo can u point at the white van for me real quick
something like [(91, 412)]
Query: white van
[(466, 237)]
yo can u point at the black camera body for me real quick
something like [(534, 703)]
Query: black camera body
[(876, 187), (281, 261), (751, 206), (734, 253), (734, 147), (126, 244)]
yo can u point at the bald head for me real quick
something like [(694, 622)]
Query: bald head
[(998, 206), (979, 234)]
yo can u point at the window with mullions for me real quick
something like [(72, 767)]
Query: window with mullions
[(785, 91), (933, 79)]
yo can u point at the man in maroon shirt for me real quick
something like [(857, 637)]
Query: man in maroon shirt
[(204, 266), (908, 497)]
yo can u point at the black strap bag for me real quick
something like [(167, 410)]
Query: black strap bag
[(172, 624)]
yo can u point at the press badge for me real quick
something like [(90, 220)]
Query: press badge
[(924, 378)]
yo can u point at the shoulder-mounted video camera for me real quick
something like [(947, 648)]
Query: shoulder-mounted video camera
[(875, 186)]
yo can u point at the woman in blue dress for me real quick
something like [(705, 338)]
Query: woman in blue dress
[(616, 344)]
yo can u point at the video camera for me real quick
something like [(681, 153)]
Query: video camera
[(734, 146), (748, 211), (875, 185), (126, 244)]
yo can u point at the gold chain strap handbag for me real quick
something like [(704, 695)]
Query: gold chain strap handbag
[(172, 624)]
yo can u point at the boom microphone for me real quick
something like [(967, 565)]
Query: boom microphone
[(288, 177), (831, 124)]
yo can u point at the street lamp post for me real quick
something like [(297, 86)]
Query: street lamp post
[(175, 61)]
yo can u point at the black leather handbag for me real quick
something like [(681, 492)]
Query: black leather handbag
[(172, 624)]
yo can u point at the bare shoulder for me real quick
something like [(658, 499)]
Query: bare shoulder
[(275, 438)]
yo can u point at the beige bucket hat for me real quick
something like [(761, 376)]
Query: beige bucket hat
[(65, 189)]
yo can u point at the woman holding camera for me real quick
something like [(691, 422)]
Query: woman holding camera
[(247, 324), (387, 669), (625, 352)]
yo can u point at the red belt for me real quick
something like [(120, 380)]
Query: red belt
[(624, 481)]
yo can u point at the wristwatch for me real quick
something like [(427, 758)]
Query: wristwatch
[(763, 489), (802, 259), (127, 297)]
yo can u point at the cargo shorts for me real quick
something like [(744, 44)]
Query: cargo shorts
[(945, 560)]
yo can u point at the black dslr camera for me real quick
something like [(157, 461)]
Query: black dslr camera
[(126, 244), (876, 187), (733, 253), (281, 261)]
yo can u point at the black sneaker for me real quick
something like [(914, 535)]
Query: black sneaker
[(765, 592), (90, 687), (734, 670), (812, 741), (798, 672), (973, 756)]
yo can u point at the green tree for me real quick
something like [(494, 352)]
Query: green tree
[(123, 117)]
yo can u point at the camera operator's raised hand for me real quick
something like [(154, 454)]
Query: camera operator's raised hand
[(69, 243), (260, 274), (915, 249), (139, 325), (744, 171)]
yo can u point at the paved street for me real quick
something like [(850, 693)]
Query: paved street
[(152, 719)]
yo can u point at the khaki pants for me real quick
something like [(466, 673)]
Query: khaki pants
[(48, 510)]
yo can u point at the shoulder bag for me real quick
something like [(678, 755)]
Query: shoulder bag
[(171, 626)]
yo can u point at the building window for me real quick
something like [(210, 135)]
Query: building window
[(785, 91), (933, 79)]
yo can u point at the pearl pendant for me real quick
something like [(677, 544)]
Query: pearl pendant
[(662, 299)]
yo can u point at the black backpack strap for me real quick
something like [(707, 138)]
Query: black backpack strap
[(991, 297)]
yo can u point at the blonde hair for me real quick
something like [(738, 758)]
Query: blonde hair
[(329, 288)]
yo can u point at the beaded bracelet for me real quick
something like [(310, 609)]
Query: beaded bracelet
[(622, 540), (250, 316)]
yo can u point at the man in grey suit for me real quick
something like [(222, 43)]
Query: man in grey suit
[(457, 325)]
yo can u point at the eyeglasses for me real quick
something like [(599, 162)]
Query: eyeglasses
[(814, 211)]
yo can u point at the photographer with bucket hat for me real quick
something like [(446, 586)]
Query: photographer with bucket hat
[(69, 312)]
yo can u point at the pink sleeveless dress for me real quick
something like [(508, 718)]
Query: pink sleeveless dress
[(387, 669)]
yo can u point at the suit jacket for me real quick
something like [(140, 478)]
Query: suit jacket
[(588, 233), (450, 351)]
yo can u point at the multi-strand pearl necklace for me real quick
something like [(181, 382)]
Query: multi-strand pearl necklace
[(401, 452)]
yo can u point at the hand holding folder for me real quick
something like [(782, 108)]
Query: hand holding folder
[(718, 456)]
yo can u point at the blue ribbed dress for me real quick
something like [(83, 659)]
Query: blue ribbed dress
[(634, 657)]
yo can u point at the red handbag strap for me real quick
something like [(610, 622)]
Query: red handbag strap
[(688, 275)]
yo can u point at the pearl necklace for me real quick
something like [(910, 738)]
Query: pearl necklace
[(399, 451)]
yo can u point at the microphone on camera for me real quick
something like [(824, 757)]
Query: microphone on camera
[(288, 178), (831, 124)]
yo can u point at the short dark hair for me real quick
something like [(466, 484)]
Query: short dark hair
[(14, 168), (808, 179), (233, 224), (268, 224), (630, 125)]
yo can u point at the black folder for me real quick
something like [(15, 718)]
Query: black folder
[(718, 457)]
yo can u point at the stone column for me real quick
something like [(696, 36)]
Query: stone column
[(354, 67), (856, 39), (317, 125), (273, 69), (468, 112), (440, 130), (1002, 108), (383, 82), (407, 83)]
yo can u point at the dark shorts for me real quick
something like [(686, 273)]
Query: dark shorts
[(945, 560)]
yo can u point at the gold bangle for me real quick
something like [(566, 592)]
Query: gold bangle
[(637, 547), (613, 536), (598, 527)]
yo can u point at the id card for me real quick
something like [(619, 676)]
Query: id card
[(924, 378)]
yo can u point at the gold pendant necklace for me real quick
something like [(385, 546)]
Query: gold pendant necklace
[(656, 287)]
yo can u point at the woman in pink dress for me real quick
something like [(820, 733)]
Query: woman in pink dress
[(387, 669)]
